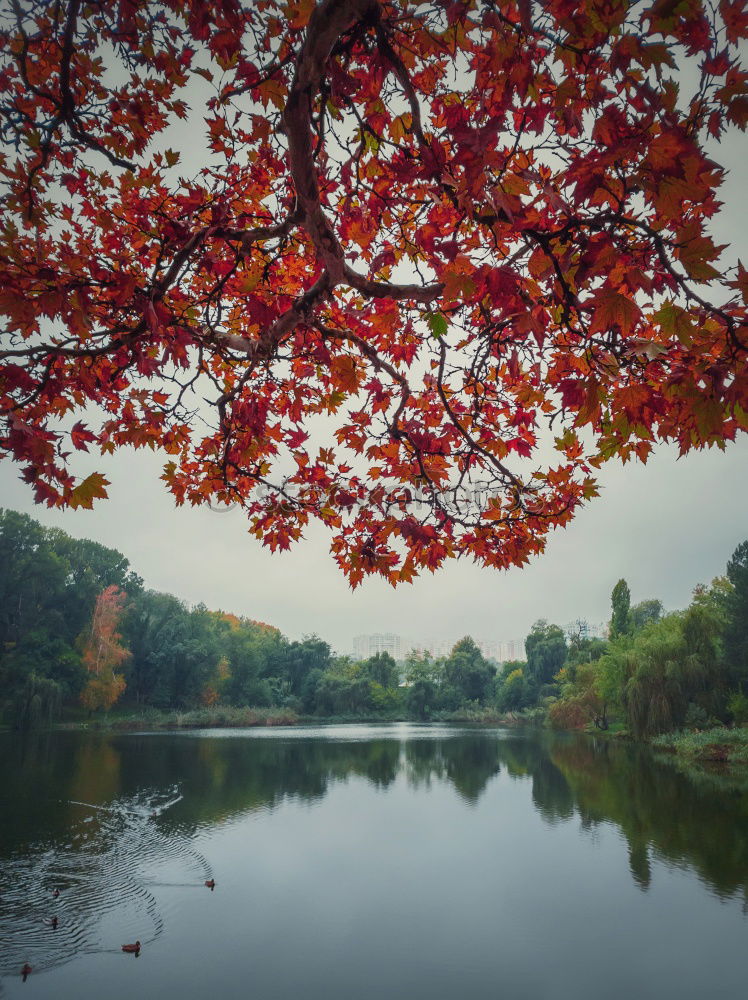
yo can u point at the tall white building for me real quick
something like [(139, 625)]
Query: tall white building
[(492, 649), (365, 646), (436, 647), (398, 646), (514, 649)]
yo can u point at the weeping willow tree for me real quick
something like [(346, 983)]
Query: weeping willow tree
[(656, 696), (669, 665), (38, 703)]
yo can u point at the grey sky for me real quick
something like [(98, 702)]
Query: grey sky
[(664, 527)]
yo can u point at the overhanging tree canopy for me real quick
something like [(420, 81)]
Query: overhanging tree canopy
[(419, 237)]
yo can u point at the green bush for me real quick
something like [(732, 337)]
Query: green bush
[(718, 744), (737, 706), (696, 717)]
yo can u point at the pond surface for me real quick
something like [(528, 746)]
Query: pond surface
[(360, 862)]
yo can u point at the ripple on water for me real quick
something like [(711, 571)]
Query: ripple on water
[(107, 876)]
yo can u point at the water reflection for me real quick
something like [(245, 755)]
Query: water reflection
[(687, 819), (108, 819)]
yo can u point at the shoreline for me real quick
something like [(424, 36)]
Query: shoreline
[(228, 717), (717, 746)]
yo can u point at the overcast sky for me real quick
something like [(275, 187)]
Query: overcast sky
[(664, 527)]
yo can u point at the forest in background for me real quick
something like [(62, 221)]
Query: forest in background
[(79, 630)]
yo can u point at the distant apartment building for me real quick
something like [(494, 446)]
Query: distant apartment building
[(514, 649), (493, 649), (365, 646), (490, 648), (436, 647), (497, 650)]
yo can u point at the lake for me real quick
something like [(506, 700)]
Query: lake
[(367, 862)]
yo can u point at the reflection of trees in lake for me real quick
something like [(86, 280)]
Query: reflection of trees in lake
[(529, 758), (468, 763), (424, 763), (224, 777), (662, 812)]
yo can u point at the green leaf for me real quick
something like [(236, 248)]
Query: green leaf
[(437, 323), (675, 321), (371, 141), (740, 415)]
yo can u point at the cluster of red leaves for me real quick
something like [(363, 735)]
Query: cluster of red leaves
[(534, 173)]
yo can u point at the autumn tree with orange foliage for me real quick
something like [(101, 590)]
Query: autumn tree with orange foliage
[(102, 651), (436, 235)]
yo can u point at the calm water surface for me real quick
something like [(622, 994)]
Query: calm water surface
[(367, 862)]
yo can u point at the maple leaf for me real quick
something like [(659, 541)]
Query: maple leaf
[(675, 321), (612, 309), (92, 488), (81, 437), (695, 255), (344, 370), (437, 324)]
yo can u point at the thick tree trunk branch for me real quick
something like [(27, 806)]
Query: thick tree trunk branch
[(330, 20), (388, 290)]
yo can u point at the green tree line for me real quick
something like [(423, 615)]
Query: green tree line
[(71, 606), (64, 600), (660, 672)]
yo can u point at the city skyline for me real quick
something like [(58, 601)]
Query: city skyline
[(399, 645)]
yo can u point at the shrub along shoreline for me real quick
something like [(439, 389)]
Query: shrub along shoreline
[(244, 717), (718, 745)]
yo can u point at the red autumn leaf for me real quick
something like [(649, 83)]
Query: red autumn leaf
[(735, 16), (611, 309), (81, 437)]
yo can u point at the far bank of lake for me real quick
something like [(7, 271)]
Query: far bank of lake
[(718, 745)]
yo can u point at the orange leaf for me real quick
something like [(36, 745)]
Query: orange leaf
[(611, 309)]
